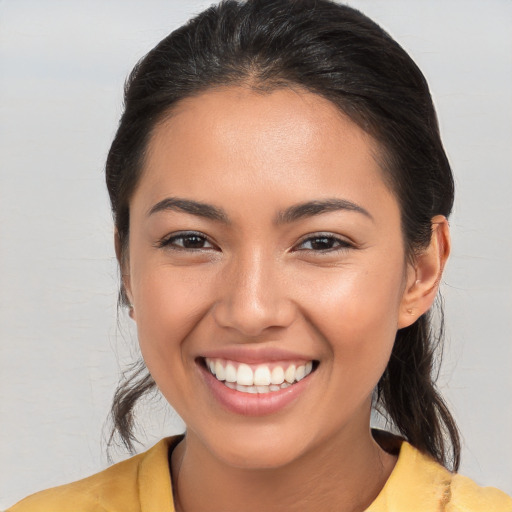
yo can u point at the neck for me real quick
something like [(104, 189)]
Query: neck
[(343, 473)]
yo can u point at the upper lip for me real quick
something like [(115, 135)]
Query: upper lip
[(254, 355)]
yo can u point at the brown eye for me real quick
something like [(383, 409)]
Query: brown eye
[(188, 241), (192, 241), (323, 243)]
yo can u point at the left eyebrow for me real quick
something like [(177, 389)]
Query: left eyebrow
[(311, 208)]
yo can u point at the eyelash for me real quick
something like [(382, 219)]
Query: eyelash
[(170, 241), (341, 244), (336, 243)]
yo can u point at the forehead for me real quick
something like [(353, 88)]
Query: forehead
[(288, 145)]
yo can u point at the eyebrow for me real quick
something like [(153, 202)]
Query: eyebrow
[(291, 214), (193, 207), (311, 208)]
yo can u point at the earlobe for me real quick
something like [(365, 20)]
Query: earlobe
[(424, 274)]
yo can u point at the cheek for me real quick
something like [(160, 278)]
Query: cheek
[(170, 303), (356, 312)]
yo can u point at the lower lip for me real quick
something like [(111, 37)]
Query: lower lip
[(257, 404)]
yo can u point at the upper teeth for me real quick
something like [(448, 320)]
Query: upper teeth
[(260, 375)]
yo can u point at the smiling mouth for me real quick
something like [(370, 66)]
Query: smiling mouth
[(258, 379)]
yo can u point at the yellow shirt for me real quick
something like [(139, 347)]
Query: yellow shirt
[(143, 484)]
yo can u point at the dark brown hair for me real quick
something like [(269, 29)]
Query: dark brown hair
[(340, 54)]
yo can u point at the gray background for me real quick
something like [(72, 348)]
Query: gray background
[(62, 67)]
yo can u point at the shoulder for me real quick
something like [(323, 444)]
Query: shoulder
[(421, 484), (88, 494), (467, 496), (123, 487)]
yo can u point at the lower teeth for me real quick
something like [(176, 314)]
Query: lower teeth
[(256, 389)]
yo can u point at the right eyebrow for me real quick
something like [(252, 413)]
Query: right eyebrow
[(197, 208)]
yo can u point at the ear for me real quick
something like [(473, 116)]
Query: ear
[(124, 267), (424, 274)]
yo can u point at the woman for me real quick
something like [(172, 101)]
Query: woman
[(281, 196)]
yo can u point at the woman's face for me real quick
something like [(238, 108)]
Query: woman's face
[(265, 247)]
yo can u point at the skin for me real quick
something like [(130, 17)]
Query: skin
[(253, 282)]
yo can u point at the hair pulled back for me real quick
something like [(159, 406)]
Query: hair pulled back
[(337, 52)]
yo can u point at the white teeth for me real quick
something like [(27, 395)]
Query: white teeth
[(231, 373), (262, 376), (252, 390), (261, 380), (257, 389), (277, 376), (220, 373), (289, 374), (244, 375)]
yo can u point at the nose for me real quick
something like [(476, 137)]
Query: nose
[(253, 296)]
